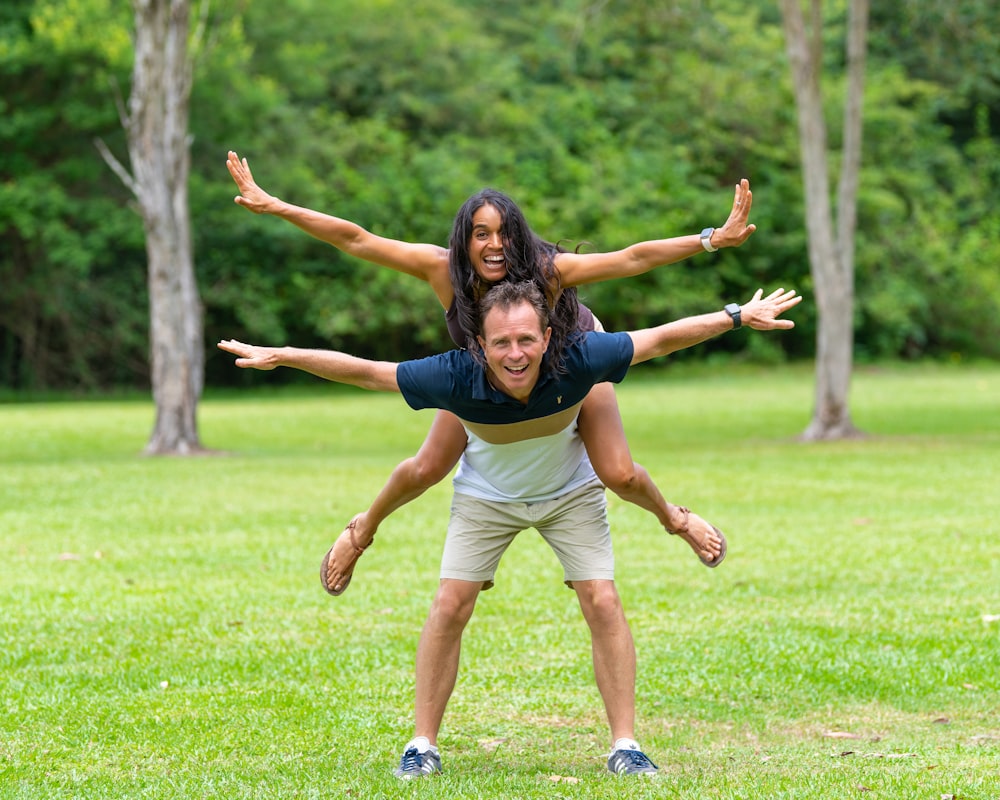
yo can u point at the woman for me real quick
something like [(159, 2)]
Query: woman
[(492, 242)]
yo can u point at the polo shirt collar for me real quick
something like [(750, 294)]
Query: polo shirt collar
[(483, 390)]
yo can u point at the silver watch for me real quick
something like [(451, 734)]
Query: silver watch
[(706, 240)]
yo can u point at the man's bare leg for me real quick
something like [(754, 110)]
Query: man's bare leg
[(438, 653), (613, 652)]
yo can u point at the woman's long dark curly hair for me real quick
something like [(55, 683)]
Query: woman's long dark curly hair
[(528, 257)]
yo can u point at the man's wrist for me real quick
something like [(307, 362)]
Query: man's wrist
[(735, 314)]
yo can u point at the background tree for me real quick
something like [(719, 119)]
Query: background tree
[(609, 122), (831, 245), (156, 123)]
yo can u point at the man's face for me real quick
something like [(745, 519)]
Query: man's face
[(514, 343), (486, 245)]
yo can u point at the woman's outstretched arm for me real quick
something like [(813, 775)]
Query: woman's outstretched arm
[(576, 269), (428, 262)]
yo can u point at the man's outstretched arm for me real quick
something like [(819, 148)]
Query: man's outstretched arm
[(760, 313), (379, 376)]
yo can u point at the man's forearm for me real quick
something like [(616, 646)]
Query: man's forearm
[(673, 336), (760, 313), (330, 365)]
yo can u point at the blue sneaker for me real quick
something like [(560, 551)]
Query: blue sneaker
[(415, 764), (631, 762)]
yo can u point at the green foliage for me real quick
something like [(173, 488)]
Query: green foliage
[(609, 123), (165, 635), (948, 42), (72, 311)]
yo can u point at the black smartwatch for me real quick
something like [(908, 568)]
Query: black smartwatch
[(733, 310)]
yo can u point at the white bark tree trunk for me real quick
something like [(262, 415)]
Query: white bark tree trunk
[(831, 249), (159, 149)]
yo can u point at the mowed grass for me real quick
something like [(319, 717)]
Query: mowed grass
[(163, 633)]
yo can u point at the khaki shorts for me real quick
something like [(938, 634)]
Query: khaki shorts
[(575, 526)]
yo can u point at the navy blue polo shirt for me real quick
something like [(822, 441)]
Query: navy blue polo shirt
[(518, 452), (455, 382)]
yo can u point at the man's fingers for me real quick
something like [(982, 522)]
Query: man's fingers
[(789, 300), (234, 347)]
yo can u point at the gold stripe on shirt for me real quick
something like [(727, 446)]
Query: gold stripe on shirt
[(529, 429)]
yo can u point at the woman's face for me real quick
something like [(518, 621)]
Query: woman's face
[(486, 245)]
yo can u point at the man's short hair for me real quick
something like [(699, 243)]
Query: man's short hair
[(507, 294)]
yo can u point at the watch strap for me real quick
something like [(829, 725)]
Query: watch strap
[(734, 311), (706, 240)]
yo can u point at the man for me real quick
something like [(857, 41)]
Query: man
[(525, 466)]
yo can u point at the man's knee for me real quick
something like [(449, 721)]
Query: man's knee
[(599, 600), (453, 604)]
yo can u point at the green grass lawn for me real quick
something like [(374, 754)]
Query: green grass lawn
[(163, 632)]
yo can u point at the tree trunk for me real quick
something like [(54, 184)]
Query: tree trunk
[(159, 150), (831, 254)]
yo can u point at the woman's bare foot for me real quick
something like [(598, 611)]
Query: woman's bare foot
[(705, 539), (340, 560)]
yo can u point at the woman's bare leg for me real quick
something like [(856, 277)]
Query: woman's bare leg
[(433, 462), (602, 432)]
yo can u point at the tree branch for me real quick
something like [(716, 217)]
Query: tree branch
[(117, 167), (116, 93), (198, 36), (850, 168)]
